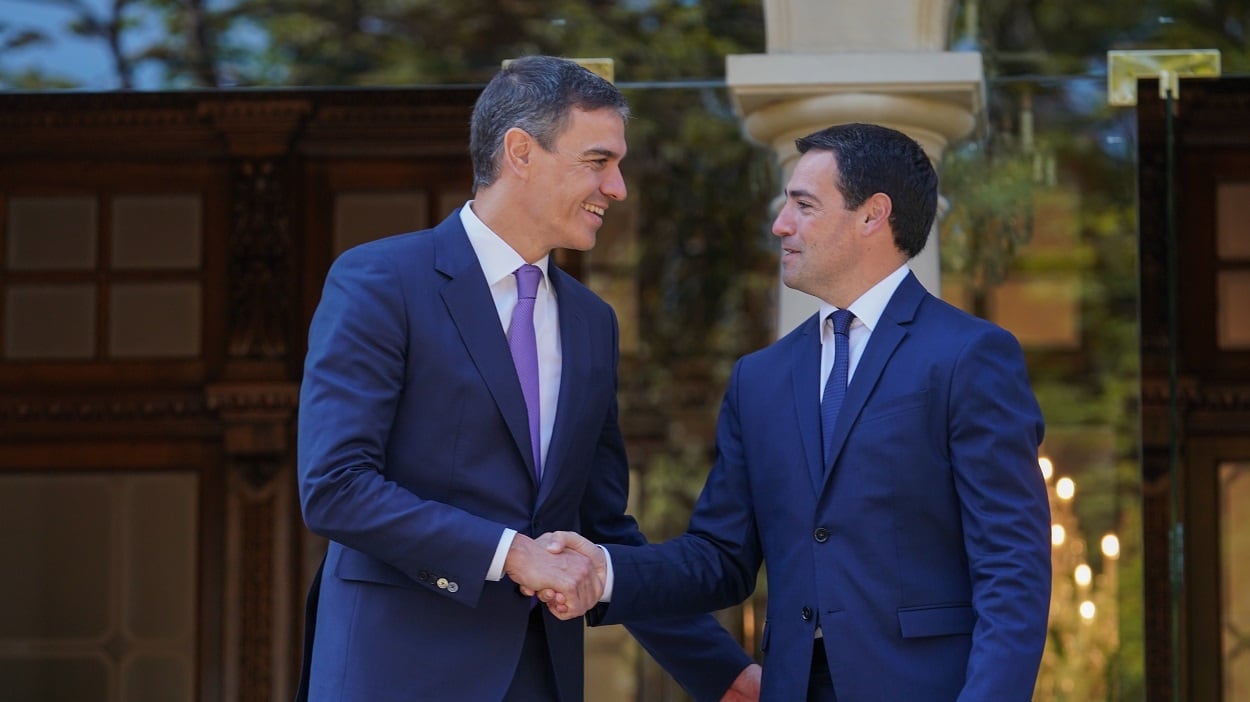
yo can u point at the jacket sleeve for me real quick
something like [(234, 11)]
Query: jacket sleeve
[(714, 564), (995, 430), (695, 649), (353, 378)]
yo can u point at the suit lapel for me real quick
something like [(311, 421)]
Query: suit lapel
[(806, 378), (575, 364), (472, 310), (890, 332)]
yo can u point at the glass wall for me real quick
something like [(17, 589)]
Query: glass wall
[(1039, 235), (1041, 238)]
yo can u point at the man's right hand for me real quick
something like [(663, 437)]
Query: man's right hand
[(571, 581), (569, 543)]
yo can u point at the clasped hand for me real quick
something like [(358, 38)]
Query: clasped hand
[(573, 552), (566, 571)]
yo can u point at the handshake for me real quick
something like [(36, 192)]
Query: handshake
[(566, 571)]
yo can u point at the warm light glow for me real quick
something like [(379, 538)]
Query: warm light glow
[(1084, 576), (1057, 534), (1048, 468), (1065, 488), (1111, 546), (1087, 610)]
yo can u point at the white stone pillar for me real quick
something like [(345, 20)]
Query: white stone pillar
[(876, 61)]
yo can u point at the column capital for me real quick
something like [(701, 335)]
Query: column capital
[(934, 96)]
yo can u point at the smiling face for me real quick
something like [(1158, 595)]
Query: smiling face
[(571, 187), (822, 242)]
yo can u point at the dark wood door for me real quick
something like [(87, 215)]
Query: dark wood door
[(1195, 343)]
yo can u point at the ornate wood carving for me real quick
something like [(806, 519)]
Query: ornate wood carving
[(261, 282), (230, 412), (256, 529)]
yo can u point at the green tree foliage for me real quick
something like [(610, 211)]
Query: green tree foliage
[(1215, 24), (86, 23), (1048, 108)]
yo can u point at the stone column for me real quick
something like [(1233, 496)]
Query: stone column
[(878, 61)]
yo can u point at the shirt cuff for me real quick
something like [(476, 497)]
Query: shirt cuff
[(495, 572), (609, 578)]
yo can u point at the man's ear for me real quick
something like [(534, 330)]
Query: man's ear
[(518, 146), (876, 212)]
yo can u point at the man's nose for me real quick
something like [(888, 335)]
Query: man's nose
[(614, 185), (781, 225)]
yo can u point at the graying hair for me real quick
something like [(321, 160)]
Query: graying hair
[(536, 94)]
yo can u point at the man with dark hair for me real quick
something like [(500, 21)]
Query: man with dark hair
[(459, 397), (881, 459)]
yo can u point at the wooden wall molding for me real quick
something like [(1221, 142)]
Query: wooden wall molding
[(110, 408), (1194, 395), (256, 128), (256, 157)]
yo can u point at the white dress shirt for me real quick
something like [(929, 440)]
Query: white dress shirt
[(499, 261), (867, 310)]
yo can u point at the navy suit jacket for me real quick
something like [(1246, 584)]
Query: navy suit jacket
[(414, 454), (923, 553)]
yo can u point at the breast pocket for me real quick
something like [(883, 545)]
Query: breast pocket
[(878, 409)]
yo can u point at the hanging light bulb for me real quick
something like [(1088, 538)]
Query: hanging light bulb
[(1065, 488), (1111, 546), (1083, 575), (1057, 534), (1087, 610)]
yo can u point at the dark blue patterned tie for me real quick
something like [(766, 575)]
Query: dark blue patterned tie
[(835, 386)]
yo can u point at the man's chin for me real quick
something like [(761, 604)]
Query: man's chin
[(583, 244)]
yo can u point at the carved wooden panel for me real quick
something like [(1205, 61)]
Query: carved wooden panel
[(175, 244)]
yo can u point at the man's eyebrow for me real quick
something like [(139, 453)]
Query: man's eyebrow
[(799, 192), (597, 151)]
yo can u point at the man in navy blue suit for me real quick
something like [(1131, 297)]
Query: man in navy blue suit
[(429, 461), (901, 514)]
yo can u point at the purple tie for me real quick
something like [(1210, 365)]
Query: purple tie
[(835, 386), (524, 345)]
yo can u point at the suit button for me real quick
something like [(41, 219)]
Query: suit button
[(442, 583), (423, 576), (807, 614), (821, 534), (452, 587)]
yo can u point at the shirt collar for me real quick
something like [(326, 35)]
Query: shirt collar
[(497, 258), (871, 305)]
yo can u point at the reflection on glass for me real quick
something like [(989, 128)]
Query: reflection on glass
[(51, 233), (1235, 572), (157, 231), (106, 602), (51, 321), (1042, 239)]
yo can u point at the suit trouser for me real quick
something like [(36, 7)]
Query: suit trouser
[(819, 681), (534, 680)]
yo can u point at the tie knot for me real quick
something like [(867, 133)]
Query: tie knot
[(527, 278), (842, 321)]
